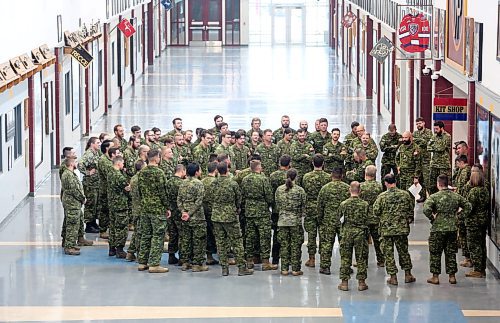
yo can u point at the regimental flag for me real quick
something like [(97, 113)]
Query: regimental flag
[(167, 4), (126, 27), (414, 33)]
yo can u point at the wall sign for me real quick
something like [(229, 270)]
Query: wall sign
[(382, 49), (449, 109), (348, 19), (82, 56)]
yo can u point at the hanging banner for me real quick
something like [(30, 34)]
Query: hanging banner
[(126, 27), (349, 19), (382, 49), (449, 109), (414, 33), (82, 56)]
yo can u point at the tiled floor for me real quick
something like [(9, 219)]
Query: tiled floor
[(39, 283)]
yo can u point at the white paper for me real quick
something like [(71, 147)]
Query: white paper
[(415, 190)]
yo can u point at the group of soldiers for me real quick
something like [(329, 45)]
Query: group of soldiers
[(248, 196)]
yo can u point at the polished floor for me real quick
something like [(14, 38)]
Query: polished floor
[(39, 283)]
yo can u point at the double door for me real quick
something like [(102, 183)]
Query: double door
[(205, 22), (288, 24)]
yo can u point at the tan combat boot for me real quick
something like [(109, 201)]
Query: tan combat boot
[(250, 263), (297, 273), (71, 251), (434, 279), (186, 266), (344, 285), (409, 278), (475, 274), (157, 270), (84, 242), (362, 285), (243, 271), (393, 280), (452, 279), (284, 272), (266, 265), (130, 256), (199, 268), (142, 267), (466, 263), (311, 262)]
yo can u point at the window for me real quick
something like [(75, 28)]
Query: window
[(67, 92), (113, 58), (18, 136), (100, 67), (37, 92), (75, 71), (95, 75)]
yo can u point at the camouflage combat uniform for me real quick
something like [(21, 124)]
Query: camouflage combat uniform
[(409, 162), (168, 167), (389, 144), (182, 154), (421, 138), (291, 206), (477, 225), (104, 167), (439, 146), (276, 179), (278, 134), (90, 183), (318, 141), (394, 209), (441, 208), (354, 232), (335, 155), (269, 158), (370, 190), (130, 156), (240, 156), (301, 154), (329, 199), (201, 155), (207, 208), (73, 198), (135, 214), (283, 148), (463, 176), (174, 223), (118, 208), (357, 173)]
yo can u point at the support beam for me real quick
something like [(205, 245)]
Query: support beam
[(471, 105)]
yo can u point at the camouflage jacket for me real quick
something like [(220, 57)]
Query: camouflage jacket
[(240, 156), (89, 161), (201, 156), (461, 180), (153, 190), (335, 155), (440, 146), (409, 160), (135, 196), (172, 188), (269, 156), (182, 155), (278, 134), (221, 149), (277, 179), (283, 147), (370, 190), (301, 154), (291, 205), (190, 199), (318, 141), (329, 199), (208, 198), (371, 150), (442, 209), (130, 156), (354, 213), (349, 138), (241, 175), (421, 139), (104, 168), (257, 195), (389, 145), (358, 171), (479, 198), (72, 196), (123, 144), (312, 183), (394, 208), (168, 167), (117, 196), (226, 199)]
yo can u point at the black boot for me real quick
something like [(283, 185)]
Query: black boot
[(112, 251), (120, 253), (172, 259), (91, 227)]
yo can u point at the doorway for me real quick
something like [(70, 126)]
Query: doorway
[(288, 24), (205, 23)]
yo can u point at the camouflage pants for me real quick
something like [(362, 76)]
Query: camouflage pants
[(433, 175), (311, 225), (91, 193), (374, 233), (73, 223), (118, 229), (353, 239), (476, 243), (103, 213), (63, 229), (327, 234), (275, 251), (193, 242), (462, 238), (406, 178), (386, 169), (174, 224), (291, 240), (446, 242), (152, 228), (211, 243), (135, 241), (258, 231), (387, 244), (228, 237)]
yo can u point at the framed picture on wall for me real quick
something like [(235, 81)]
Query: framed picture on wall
[(455, 34), (10, 125)]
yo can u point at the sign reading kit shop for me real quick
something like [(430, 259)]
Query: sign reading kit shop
[(82, 56), (449, 109)]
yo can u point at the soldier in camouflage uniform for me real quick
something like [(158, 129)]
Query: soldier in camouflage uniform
[(291, 203), (368, 145), (353, 213), (224, 147), (421, 137), (277, 179), (329, 199), (394, 208), (202, 151), (154, 205), (167, 164), (104, 166), (301, 153), (119, 135), (283, 145), (149, 140), (88, 167), (334, 152), (268, 153), (226, 198), (408, 161), (257, 196), (182, 153), (312, 184), (370, 190), (193, 236), (389, 144), (351, 135), (136, 213), (278, 133), (360, 163), (319, 138), (439, 146), (72, 198), (177, 128), (130, 155), (255, 140), (460, 184), (174, 222), (442, 208), (239, 152), (118, 188), (207, 208), (255, 124), (477, 224)]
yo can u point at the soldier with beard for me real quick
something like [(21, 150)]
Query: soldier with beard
[(439, 146), (408, 161), (278, 133)]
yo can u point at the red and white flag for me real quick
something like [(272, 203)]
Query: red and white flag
[(126, 27)]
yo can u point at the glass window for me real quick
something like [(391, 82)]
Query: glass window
[(18, 137), (495, 181), (75, 71), (67, 92), (37, 92), (113, 58), (96, 66)]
